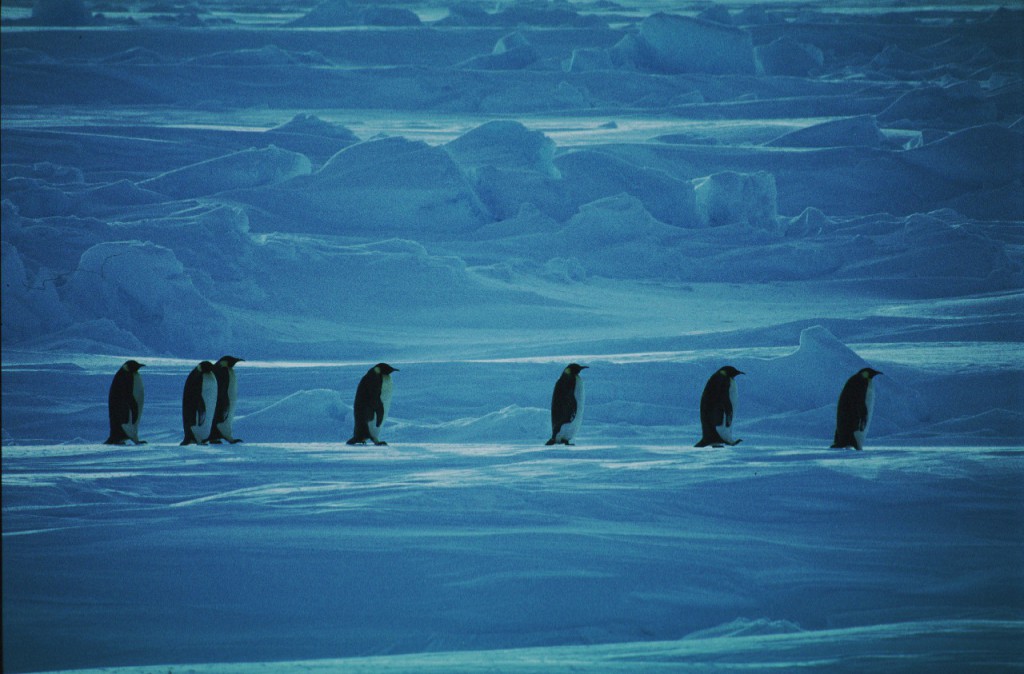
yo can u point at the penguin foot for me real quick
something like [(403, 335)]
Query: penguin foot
[(235, 441), (353, 441), (214, 442), (379, 442), (140, 442), (550, 442)]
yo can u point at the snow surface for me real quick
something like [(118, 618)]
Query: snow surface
[(480, 195)]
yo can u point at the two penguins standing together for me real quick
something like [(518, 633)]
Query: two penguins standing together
[(213, 385)]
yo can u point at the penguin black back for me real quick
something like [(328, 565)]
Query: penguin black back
[(371, 404), (853, 412), (224, 413), (567, 405), (198, 400), (124, 404), (716, 408)]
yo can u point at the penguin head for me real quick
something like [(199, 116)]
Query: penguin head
[(729, 371), (383, 369), (868, 373), (574, 369), (132, 365), (229, 361), (206, 367)]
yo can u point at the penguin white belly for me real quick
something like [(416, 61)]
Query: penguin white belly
[(201, 431), (225, 426), (385, 398), (131, 429), (725, 430), (568, 430), (869, 403)]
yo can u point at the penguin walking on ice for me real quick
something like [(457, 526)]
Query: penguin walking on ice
[(373, 400), (717, 404), (227, 394), (567, 405), (853, 413), (124, 404), (198, 402)]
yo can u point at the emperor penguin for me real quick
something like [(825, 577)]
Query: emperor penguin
[(567, 405), (227, 394), (124, 404), (853, 414), (198, 402), (717, 404), (373, 400)]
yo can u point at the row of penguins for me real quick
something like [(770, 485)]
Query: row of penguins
[(213, 387)]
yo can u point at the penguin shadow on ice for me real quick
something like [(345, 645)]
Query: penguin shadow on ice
[(227, 395), (854, 410), (198, 402), (567, 405), (124, 404), (717, 405), (372, 403)]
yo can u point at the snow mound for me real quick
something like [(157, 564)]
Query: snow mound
[(239, 170), (511, 52), (214, 239), (389, 16), (289, 419), (327, 14), (811, 377), (984, 155), (951, 107), (618, 238), (859, 131), (30, 303), (387, 185), (993, 425), (589, 175), (588, 60), (311, 125), (737, 198), (509, 424), (507, 144), (24, 56), (143, 289), (677, 44), (786, 56), (269, 55)]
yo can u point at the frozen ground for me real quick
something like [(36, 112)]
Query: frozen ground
[(480, 195)]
